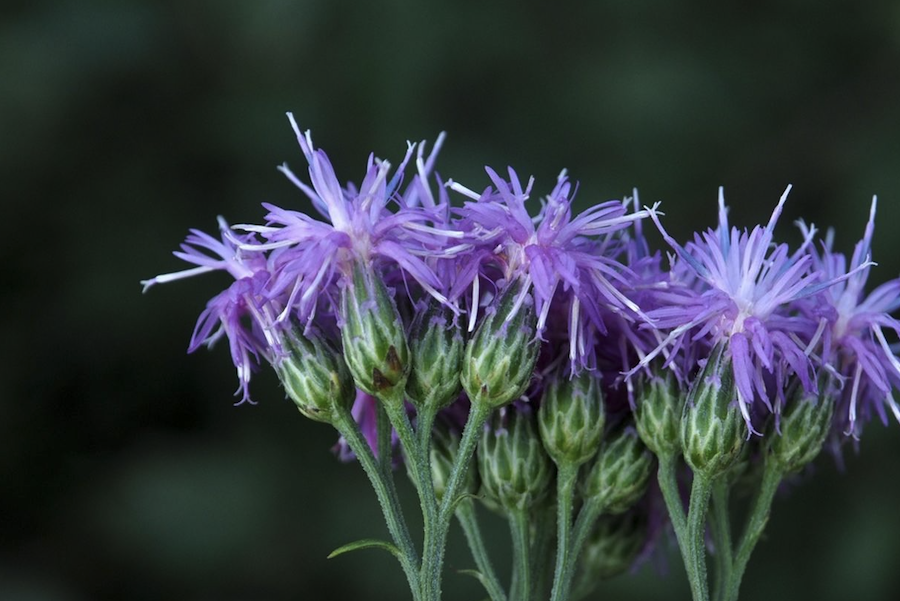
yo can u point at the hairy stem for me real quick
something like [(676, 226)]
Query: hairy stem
[(565, 553), (383, 484), (756, 523), (468, 519)]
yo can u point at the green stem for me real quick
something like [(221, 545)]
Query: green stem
[(668, 484), (696, 536), (721, 528), (759, 515), (468, 519), (383, 485), (541, 545), (432, 554), (587, 516), (565, 558), (478, 415), (519, 527), (384, 435)]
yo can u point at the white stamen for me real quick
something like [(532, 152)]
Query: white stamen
[(473, 314), (457, 187)]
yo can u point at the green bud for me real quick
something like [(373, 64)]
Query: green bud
[(515, 471), (613, 545), (315, 376), (443, 453), (712, 428), (571, 418), (658, 416), (374, 339), (805, 423), (620, 475), (500, 357), (436, 351)]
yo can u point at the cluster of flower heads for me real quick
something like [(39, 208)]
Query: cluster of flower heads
[(794, 322)]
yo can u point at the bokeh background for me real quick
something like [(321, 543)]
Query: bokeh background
[(125, 472)]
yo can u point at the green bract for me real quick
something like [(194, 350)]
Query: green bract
[(621, 473), (499, 358), (436, 351), (658, 415), (804, 425), (515, 470), (712, 429), (571, 418), (315, 377), (374, 339)]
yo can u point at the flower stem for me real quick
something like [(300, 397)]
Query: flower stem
[(383, 484), (587, 516), (468, 519), (696, 537), (668, 485), (478, 415), (520, 530), (756, 523), (565, 553), (416, 455), (721, 529)]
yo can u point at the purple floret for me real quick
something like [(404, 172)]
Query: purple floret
[(739, 288), (312, 255), (855, 348), (242, 312), (560, 258)]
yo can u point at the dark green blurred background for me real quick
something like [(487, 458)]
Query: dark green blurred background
[(125, 472)]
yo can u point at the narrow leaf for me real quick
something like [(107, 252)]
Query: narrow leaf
[(366, 543)]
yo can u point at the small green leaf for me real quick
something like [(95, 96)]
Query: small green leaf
[(477, 576), (366, 543)]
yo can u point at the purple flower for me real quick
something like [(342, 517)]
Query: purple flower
[(739, 287), (855, 348), (311, 255), (242, 312), (551, 253)]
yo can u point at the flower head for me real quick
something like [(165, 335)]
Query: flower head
[(551, 253), (243, 312), (855, 346), (360, 228), (739, 288)]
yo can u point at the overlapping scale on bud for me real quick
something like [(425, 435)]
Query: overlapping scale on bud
[(571, 418), (803, 426), (515, 470), (374, 339), (499, 358), (315, 377), (436, 347), (712, 428), (658, 415), (614, 545), (621, 473)]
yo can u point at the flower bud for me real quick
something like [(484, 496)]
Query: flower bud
[(620, 475), (374, 339), (571, 418), (614, 544), (515, 470), (805, 423), (315, 376), (712, 429), (658, 415), (436, 351), (500, 357), (443, 453)]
